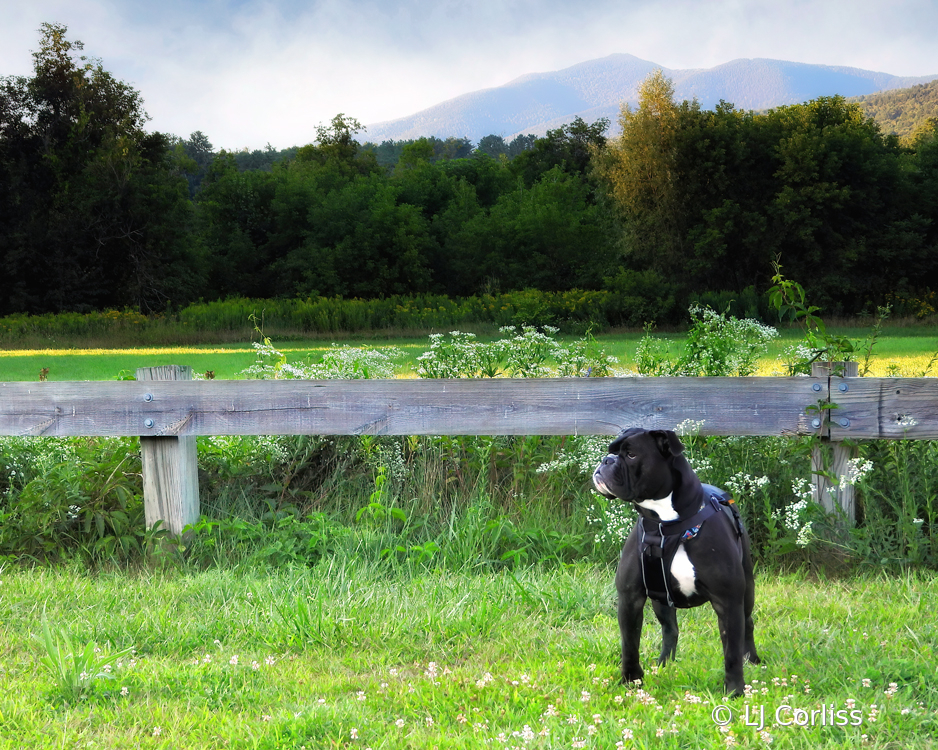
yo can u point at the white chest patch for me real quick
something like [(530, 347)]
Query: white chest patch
[(683, 571), (662, 507)]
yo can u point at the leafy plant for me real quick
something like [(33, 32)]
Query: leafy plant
[(869, 343), (524, 352), (898, 502), (416, 554), (338, 363), (76, 668), (789, 299), (376, 512), (89, 504), (717, 345), (282, 538), (461, 355)]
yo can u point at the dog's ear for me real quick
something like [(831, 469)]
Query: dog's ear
[(668, 442)]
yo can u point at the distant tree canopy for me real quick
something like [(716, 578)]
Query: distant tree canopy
[(338, 223), (95, 212), (904, 112), (719, 195), (389, 153)]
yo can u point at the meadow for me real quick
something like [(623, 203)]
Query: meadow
[(350, 654), (902, 350)]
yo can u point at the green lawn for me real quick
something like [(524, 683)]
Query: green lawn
[(352, 654), (909, 348)]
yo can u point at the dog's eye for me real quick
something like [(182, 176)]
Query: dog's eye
[(629, 454)]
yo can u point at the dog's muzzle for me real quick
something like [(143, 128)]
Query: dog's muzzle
[(599, 481)]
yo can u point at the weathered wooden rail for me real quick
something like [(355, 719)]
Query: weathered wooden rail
[(167, 410)]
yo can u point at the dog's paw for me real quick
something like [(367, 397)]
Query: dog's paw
[(635, 677)]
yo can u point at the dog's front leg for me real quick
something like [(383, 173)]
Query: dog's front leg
[(632, 597), (667, 616), (732, 621), (631, 611)]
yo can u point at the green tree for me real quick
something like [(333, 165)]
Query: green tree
[(196, 155), (549, 236), (236, 220), (719, 195), (641, 169), (570, 147), (519, 144), (336, 144), (493, 145), (93, 213), (359, 241)]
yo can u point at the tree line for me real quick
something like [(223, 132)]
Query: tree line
[(96, 212)]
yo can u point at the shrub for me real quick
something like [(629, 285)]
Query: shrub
[(72, 496), (524, 353), (717, 345)]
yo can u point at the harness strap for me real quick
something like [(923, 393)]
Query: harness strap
[(659, 542)]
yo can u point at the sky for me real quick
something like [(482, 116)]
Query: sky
[(252, 72)]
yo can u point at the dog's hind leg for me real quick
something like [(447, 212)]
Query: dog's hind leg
[(749, 602), (749, 647), (667, 616)]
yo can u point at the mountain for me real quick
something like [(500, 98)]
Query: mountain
[(902, 111), (537, 102)]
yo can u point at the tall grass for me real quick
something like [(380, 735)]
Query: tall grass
[(455, 502), (237, 319)]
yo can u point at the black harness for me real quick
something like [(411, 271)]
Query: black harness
[(658, 542)]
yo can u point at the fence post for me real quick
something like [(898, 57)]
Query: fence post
[(827, 486), (170, 467)]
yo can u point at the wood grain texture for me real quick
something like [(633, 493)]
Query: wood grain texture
[(829, 460), (170, 466), (891, 408), (552, 406)]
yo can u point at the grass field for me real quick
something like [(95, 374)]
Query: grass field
[(351, 654), (903, 350)]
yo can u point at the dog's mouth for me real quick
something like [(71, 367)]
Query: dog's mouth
[(601, 486)]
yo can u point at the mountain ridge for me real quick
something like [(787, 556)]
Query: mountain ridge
[(536, 102)]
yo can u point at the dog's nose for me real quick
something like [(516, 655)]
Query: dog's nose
[(610, 459)]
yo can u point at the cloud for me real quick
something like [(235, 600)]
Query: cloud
[(251, 72)]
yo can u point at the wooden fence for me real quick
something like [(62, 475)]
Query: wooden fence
[(168, 409)]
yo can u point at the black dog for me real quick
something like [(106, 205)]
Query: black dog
[(688, 547)]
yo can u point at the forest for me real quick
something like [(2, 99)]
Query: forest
[(98, 213), (902, 111)]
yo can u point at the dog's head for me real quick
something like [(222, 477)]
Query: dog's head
[(641, 465)]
